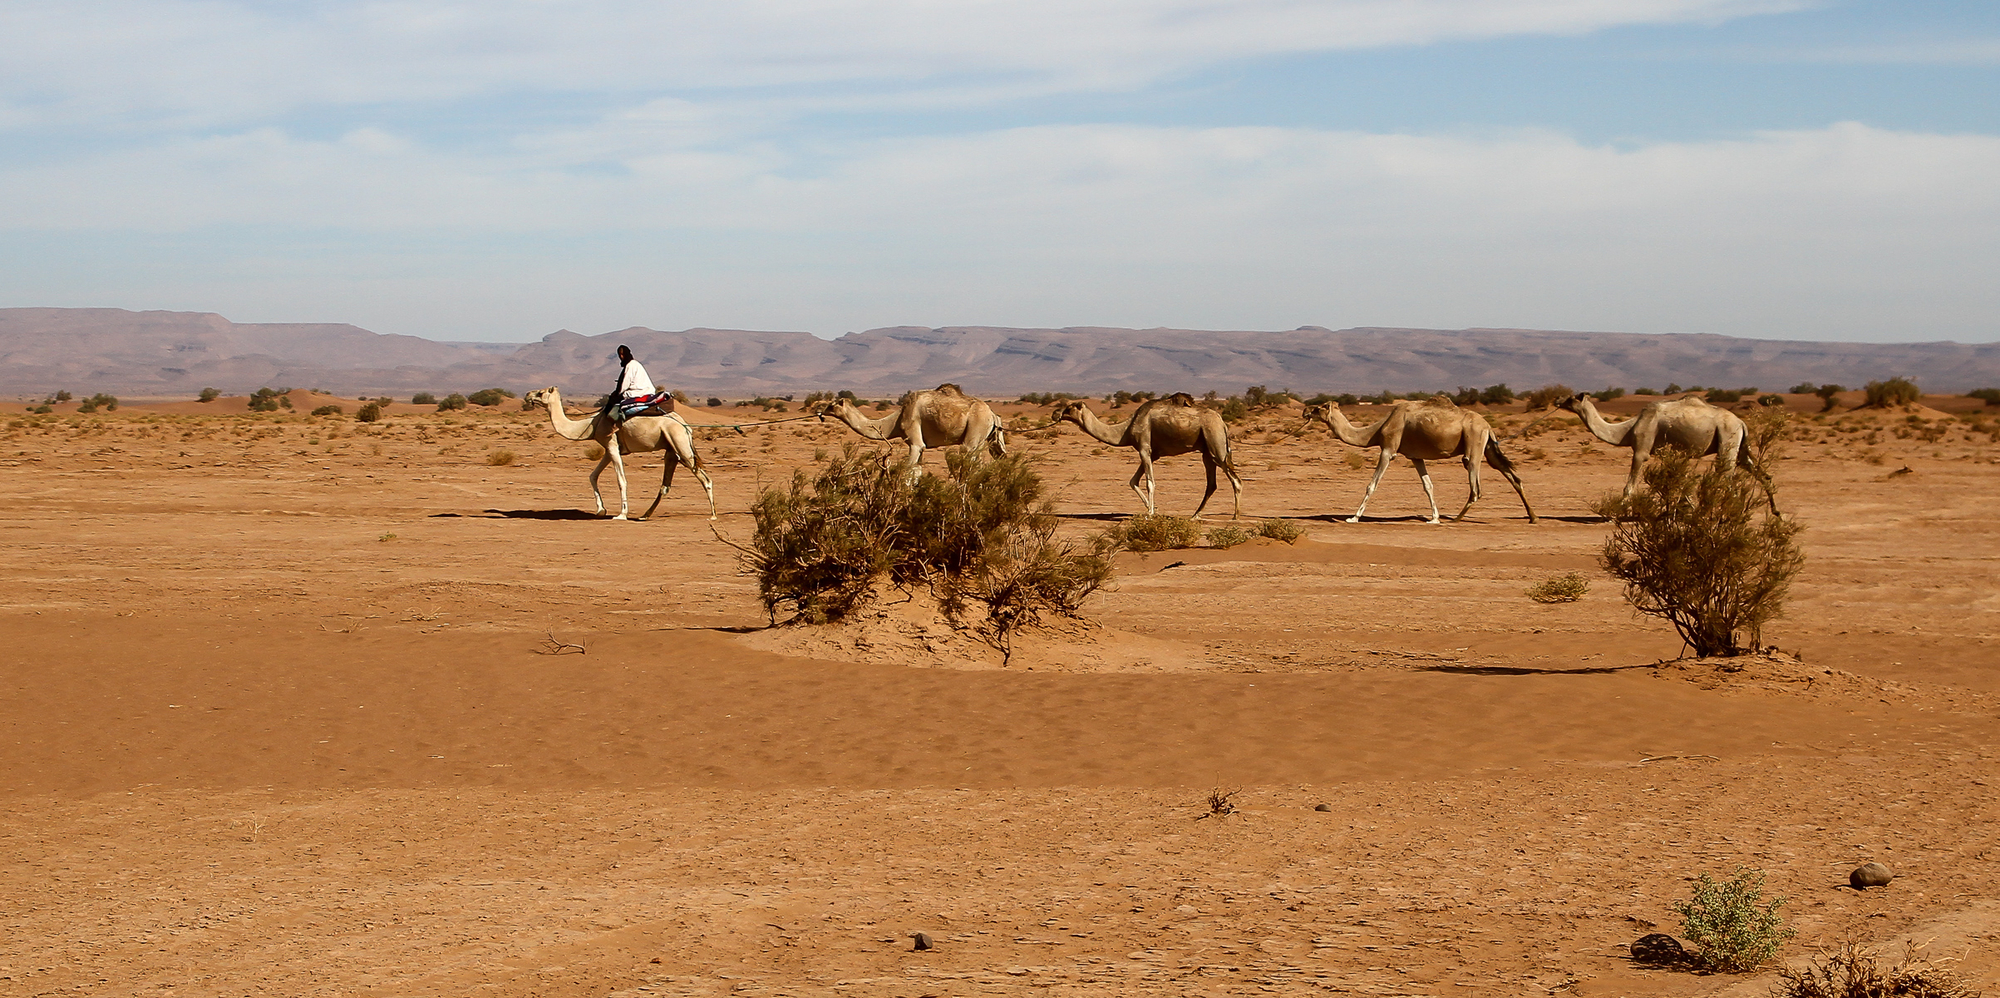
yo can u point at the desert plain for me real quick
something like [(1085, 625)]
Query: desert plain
[(305, 706)]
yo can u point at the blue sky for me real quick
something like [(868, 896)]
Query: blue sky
[(499, 169)]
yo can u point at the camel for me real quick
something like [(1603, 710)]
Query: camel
[(1431, 430), (938, 417), (1164, 428), (636, 435), (1689, 424)]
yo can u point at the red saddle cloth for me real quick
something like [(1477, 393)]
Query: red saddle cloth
[(656, 404)]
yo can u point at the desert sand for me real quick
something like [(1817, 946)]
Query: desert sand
[(310, 707)]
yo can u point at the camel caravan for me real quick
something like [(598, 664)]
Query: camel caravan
[(1421, 431)]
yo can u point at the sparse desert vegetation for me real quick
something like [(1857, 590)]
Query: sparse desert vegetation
[(1435, 785)]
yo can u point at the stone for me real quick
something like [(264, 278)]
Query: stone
[(920, 940), (1322, 807), (1870, 875), (1658, 948)]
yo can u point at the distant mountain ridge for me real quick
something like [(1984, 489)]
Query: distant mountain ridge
[(171, 353)]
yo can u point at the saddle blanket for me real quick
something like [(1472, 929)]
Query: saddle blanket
[(656, 404)]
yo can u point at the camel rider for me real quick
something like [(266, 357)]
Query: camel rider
[(635, 393)]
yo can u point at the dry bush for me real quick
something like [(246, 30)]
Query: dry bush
[(1281, 530), (1219, 804), (1732, 927), (983, 534), (1228, 536), (369, 413), (1893, 392), (1703, 550), (1156, 533), (1851, 972), (1547, 396), (500, 458), (1561, 589)]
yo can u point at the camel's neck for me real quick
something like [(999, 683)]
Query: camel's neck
[(880, 428), (1350, 434), (1615, 434), (1109, 433), (574, 429)]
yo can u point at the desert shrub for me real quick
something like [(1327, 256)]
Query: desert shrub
[(329, 410), (209, 395), (1156, 533), (109, 403), (266, 400), (984, 533), (1895, 391), (63, 396), (1991, 396), (1770, 400), (1608, 394), (1732, 927), (500, 458), (1547, 396), (1234, 410), (1851, 972), (1724, 396), (1228, 536), (489, 396), (1703, 550), (1561, 589), (714, 403), (369, 413), (451, 402), (1281, 530), (423, 398)]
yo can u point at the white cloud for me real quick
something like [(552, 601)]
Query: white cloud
[(214, 62), (1842, 231)]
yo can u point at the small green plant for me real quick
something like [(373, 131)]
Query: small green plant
[(63, 396), (1704, 550), (1228, 536), (1547, 396), (209, 395), (372, 412), (451, 402), (109, 403), (982, 534), (269, 400), (1561, 589), (1893, 392), (1156, 533), (386, 538), (1991, 396), (329, 410), (1851, 972), (500, 458), (489, 396), (423, 398), (1732, 927), (1281, 530)]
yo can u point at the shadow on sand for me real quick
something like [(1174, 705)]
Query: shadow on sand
[(1517, 670), (526, 514)]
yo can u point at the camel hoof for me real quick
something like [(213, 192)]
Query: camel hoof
[(621, 516), (1354, 519)]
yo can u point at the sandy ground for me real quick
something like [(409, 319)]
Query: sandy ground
[(288, 713)]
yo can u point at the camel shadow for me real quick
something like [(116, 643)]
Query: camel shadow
[(1520, 670), (528, 514)]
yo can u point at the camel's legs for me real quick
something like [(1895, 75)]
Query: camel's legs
[(1146, 472), (594, 472), (1208, 463), (1381, 467), (666, 482), (1638, 462), (916, 459), (1424, 475), (1506, 470), (617, 459), (1472, 484)]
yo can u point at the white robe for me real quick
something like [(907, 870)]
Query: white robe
[(633, 382)]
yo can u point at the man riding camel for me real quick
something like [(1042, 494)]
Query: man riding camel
[(635, 395)]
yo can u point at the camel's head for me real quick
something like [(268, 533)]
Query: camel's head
[(1068, 410), (1318, 411), (828, 407), (1570, 404), (538, 397)]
